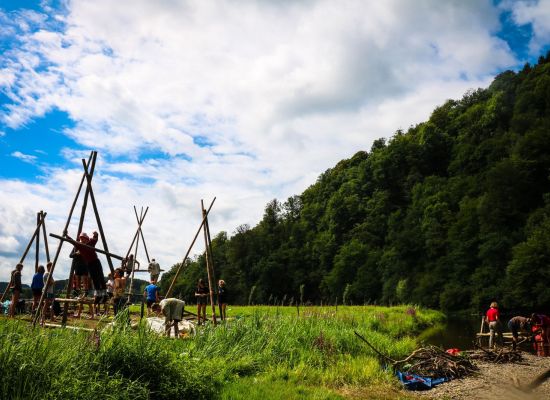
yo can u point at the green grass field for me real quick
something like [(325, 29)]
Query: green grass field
[(260, 353)]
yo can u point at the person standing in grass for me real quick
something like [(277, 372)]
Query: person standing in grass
[(201, 294), (118, 290), (110, 291), (495, 327), (16, 288), (222, 298), (80, 271), (49, 295), (151, 294), (172, 309), (36, 287)]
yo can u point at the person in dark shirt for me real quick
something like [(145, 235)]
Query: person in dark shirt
[(36, 287), (222, 298), (517, 324), (201, 294), (16, 288)]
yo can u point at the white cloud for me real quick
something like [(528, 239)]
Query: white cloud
[(281, 91), (24, 157), (538, 15)]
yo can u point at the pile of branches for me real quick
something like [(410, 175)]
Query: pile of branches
[(500, 356), (433, 362)]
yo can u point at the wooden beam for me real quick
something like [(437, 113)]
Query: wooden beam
[(169, 291), (74, 242), (209, 270), (99, 226)]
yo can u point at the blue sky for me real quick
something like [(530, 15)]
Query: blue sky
[(247, 101)]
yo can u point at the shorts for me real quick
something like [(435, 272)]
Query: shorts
[(150, 303), (80, 269), (201, 300), (37, 292), (513, 328)]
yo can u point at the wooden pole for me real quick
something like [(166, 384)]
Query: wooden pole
[(136, 234), (210, 264), (141, 232), (74, 242), (23, 256), (45, 238), (91, 162), (99, 226), (37, 242), (169, 291), (58, 251), (133, 266)]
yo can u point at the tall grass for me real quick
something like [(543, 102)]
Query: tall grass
[(311, 355)]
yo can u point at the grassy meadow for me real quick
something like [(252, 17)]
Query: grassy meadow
[(260, 353)]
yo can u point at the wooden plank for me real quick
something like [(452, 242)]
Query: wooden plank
[(74, 242)]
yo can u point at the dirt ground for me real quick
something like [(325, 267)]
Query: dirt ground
[(496, 381)]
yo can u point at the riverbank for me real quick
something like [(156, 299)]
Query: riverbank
[(496, 381)]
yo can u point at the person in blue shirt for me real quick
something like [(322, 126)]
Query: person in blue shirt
[(36, 287), (151, 294)]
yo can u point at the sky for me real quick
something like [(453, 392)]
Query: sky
[(241, 100)]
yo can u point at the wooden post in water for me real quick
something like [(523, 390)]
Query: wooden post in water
[(169, 291), (208, 259)]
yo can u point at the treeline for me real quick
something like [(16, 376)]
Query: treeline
[(451, 214)]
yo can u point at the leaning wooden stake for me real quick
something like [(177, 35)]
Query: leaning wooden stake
[(91, 162), (208, 259), (74, 242), (137, 233), (385, 357), (37, 242), (169, 291), (99, 225), (141, 232)]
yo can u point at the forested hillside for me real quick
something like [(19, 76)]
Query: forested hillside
[(451, 214)]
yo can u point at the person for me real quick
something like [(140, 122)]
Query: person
[(222, 298), (517, 324), (542, 323), (16, 288), (154, 270), (151, 294), (201, 294), (49, 295), (118, 290), (131, 265), (493, 319), (80, 270), (36, 286), (172, 309), (110, 290)]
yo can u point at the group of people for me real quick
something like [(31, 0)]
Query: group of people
[(42, 282), (202, 293), (537, 325)]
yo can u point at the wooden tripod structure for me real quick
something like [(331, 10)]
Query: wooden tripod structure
[(209, 260), (137, 236), (40, 228), (89, 167)]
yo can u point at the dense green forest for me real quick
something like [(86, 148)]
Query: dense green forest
[(451, 214)]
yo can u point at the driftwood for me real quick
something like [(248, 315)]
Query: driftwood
[(500, 356), (431, 362), (434, 362)]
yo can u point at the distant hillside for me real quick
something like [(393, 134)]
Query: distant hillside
[(452, 214)]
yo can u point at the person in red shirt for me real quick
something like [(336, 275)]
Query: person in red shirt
[(542, 323), (493, 319)]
